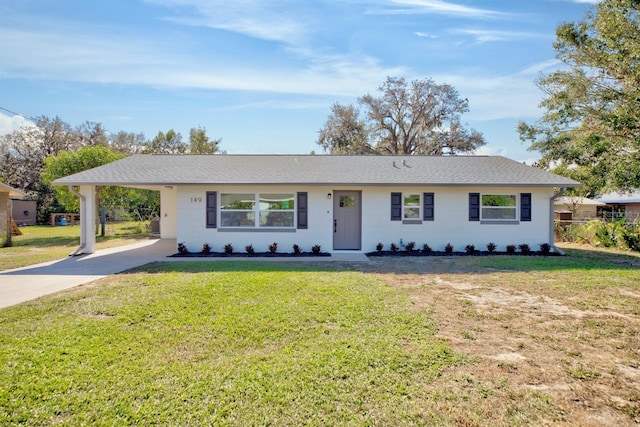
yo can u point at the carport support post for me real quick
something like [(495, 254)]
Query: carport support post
[(87, 218)]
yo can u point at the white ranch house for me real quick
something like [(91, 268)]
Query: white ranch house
[(342, 203)]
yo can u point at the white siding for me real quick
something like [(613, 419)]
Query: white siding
[(451, 224), (193, 232), (168, 213)]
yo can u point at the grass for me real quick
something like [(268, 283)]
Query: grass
[(247, 344), (473, 341), (41, 243)]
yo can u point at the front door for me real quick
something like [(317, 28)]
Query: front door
[(346, 220)]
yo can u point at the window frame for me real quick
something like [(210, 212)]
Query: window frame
[(425, 207), (406, 207), (515, 207), (259, 210)]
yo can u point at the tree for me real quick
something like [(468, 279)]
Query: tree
[(21, 157), (200, 143), (91, 133), (57, 135), (590, 130), (344, 132), (166, 143), (70, 162), (127, 143), (419, 117)]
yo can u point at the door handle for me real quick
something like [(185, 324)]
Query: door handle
[(335, 225)]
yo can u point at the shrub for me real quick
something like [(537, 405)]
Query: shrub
[(610, 234), (449, 248), (315, 249), (249, 249), (228, 249), (524, 248), (206, 249), (620, 234), (296, 249), (394, 247), (511, 249), (491, 247), (273, 248), (631, 237), (470, 249), (409, 247), (379, 247), (545, 248), (182, 248), (426, 248)]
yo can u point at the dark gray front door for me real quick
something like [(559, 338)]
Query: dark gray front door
[(347, 220)]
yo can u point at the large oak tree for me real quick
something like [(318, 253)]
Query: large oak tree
[(416, 117)]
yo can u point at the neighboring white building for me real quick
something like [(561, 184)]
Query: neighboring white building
[(338, 202)]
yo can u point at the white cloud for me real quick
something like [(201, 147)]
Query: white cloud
[(485, 36), (497, 97), (425, 35), (98, 55), (268, 20), (10, 123), (405, 7), (545, 66)]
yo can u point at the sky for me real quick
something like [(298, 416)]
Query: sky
[(262, 74)]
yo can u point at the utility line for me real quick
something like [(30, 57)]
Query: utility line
[(14, 113)]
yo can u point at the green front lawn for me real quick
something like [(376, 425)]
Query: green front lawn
[(246, 344)]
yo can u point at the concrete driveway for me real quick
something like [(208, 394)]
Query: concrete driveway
[(27, 283)]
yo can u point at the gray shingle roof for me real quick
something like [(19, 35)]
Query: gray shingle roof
[(150, 169)]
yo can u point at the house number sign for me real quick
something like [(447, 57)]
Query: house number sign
[(196, 200)]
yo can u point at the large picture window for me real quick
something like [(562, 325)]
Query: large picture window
[(261, 210), (499, 207)]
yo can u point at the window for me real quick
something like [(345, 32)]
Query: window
[(237, 210), (262, 210), (499, 207), (411, 206), (347, 202), (276, 210)]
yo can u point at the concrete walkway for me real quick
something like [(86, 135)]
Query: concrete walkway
[(27, 283)]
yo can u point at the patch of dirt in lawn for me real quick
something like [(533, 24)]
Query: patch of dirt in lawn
[(532, 359)]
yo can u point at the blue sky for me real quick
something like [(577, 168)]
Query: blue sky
[(263, 74)]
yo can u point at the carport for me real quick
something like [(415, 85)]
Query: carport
[(85, 189)]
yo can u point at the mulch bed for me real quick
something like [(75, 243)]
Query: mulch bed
[(417, 253), (246, 255)]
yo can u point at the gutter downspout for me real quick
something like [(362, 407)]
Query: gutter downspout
[(551, 223), (83, 237)]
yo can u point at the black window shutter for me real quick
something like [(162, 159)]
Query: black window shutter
[(212, 209), (474, 206), (525, 206), (302, 210), (396, 206), (428, 204)]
